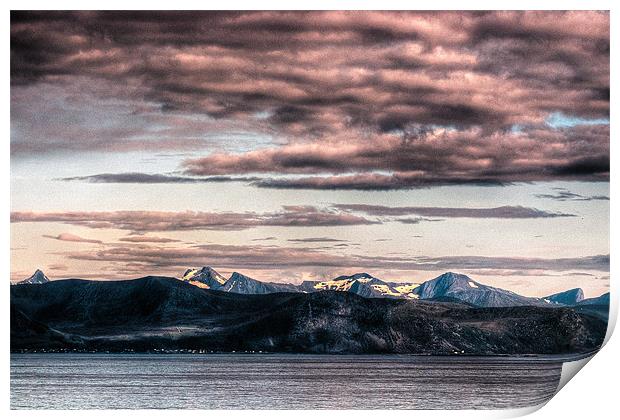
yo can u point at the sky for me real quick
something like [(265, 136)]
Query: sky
[(296, 146)]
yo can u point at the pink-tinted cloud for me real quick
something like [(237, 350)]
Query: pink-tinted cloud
[(433, 157), (237, 257), (429, 97), (504, 212), (158, 221), (142, 178), (69, 237), (322, 239), (148, 239)]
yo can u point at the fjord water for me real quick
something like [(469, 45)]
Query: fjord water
[(240, 381)]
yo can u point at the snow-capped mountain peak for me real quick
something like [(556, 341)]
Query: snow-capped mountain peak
[(446, 283), (37, 278), (448, 286), (240, 283), (362, 284), (461, 287), (205, 277)]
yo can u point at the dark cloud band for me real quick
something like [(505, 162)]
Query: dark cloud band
[(142, 178), (263, 257), (158, 221), (504, 212), (563, 194)]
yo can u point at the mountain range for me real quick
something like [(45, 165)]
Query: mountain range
[(446, 287), (165, 314)]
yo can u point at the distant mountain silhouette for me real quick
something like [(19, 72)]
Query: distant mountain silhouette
[(446, 287), (37, 278), (238, 283), (601, 300), (569, 297), (162, 312), (443, 288), (461, 287)]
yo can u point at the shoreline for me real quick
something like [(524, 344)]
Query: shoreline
[(562, 358)]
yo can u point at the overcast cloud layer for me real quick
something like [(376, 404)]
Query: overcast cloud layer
[(369, 100)]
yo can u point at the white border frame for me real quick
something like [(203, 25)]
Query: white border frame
[(593, 394)]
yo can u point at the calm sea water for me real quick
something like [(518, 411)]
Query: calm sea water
[(233, 381)]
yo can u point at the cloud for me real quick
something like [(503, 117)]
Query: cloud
[(69, 237), (430, 157), (504, 212), (526, 273), (340, 100), (159, 221), (67, 117), (480, 150), (416, 220), (369, 182), (594, 262), (142, 178), (424, 63), (313, 216), (150, 239), (566, 195), (273, 258), (313, 240)]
